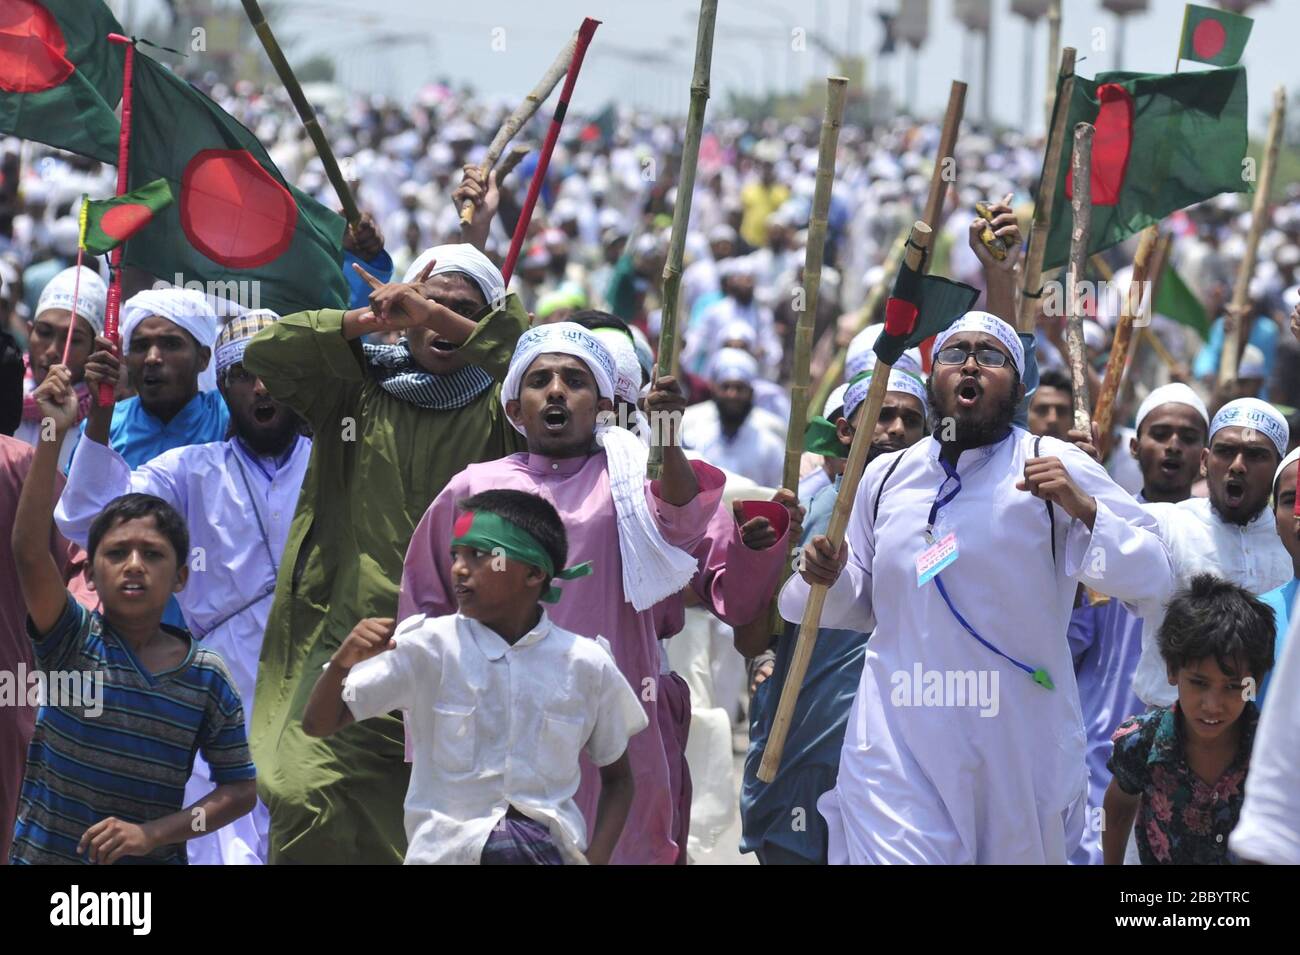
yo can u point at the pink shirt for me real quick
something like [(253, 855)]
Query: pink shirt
[(593, 606)]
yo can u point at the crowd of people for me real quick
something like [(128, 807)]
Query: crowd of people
[(391, 583)]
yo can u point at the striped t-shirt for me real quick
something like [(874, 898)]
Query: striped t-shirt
[(125, 748)]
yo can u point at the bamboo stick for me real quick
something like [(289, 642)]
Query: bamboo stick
[(305, 111), (865, 427), (1053, 45), (1080, 234), (1031, 285), (668, 337), (1233, 339), (522, 114), (1120, 347), (947, 144)]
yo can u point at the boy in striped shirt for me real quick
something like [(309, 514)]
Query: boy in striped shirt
[(106, 772)]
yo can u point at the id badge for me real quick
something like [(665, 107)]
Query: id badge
[(935, 558)]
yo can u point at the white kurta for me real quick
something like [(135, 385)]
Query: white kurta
[(1199, 541), (755, 451), (1000, 779), (704, 337), (238, 516)]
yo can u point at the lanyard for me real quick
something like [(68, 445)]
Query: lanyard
[(941, 500)]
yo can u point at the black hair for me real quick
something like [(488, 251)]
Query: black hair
[(130, 506), (593, 318), (1055, 378), (530, 512), (11, 383), (1214, 618)]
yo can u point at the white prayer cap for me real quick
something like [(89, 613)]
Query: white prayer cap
[(861, 355), (722, 233), (462, 257), (835, 402), (560, 338), (619, 343), (900, 381), (739, 330), (645, 355), (1252, 363), (1286, 462), (1253, 413), (732, 364), (989, 325), (186, 308), (237, 333), (1094, 336), (1175, 393), (91, 296)]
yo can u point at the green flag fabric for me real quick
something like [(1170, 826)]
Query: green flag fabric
[(919, 307), (237, 226), (107, 223), (1175, 300), (1163, 142), (1213, 36), (60, 77)]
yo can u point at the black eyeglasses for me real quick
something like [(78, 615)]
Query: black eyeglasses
[(985, 357)]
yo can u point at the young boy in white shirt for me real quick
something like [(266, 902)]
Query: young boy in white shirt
[(500, 701)]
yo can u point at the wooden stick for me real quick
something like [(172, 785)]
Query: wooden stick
[(1080, 234), (513, 158), (1233, 340), (1053, 45), (1119, 349), (944, 156), (1031, 286), (305, 111), (522, 114), (668, 338), (865, 427)]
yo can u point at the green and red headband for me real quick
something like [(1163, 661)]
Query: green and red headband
[(493, 534)]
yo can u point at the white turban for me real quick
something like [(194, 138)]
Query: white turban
[(739, 330), (835, 402), (1172, 394), (560, 338), (187, 308), (900, 381), (1253, 413), (861, 355), (91, 296), (628, 384), (1286, 462), (733, 364), (989, 325), (462, 257)]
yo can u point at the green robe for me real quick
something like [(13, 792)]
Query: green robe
[(377, 463)]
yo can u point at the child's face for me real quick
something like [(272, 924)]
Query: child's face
[(1210, 699), (135, 570), (488, 585)]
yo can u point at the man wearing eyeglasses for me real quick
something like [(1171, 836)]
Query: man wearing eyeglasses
[(963, 553), (238, 498)]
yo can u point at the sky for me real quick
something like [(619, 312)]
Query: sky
[(643, 52)]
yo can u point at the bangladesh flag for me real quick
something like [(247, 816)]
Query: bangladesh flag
[(235, 221), (1163, 142), (107, 223), (60, 78), (920, 307), (1175, 300), (1213, 36)]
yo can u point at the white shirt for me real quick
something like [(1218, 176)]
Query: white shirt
[(494, 725), (944, 783), (1200, 541), (704, 337), (755, 451), (1269, 830)]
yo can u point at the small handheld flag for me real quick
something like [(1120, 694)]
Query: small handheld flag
[(1213, 36), (107, 223)]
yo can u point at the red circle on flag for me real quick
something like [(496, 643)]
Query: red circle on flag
[(32, 48), (233, 211), (121, 222), (1209, 38)]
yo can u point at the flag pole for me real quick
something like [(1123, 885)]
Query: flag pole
[(939, 178), (672, 275), (812, 278), (864, 429), (522, 114), (585, 33), (1233, 339), (1031, 287), (1120, 347), (1080, 233), (76, 281), (305, 111), (114, 301)]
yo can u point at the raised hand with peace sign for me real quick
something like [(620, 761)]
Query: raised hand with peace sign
[(407, 306)]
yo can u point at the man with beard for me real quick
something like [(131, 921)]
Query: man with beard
[(1230, 534), (705, 336), (1051, 406), (963, 555), (237, 497), (730, 431), (1106, 637), (811, 757)]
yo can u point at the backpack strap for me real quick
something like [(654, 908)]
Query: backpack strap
[(1051, 511), (875, 509)]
